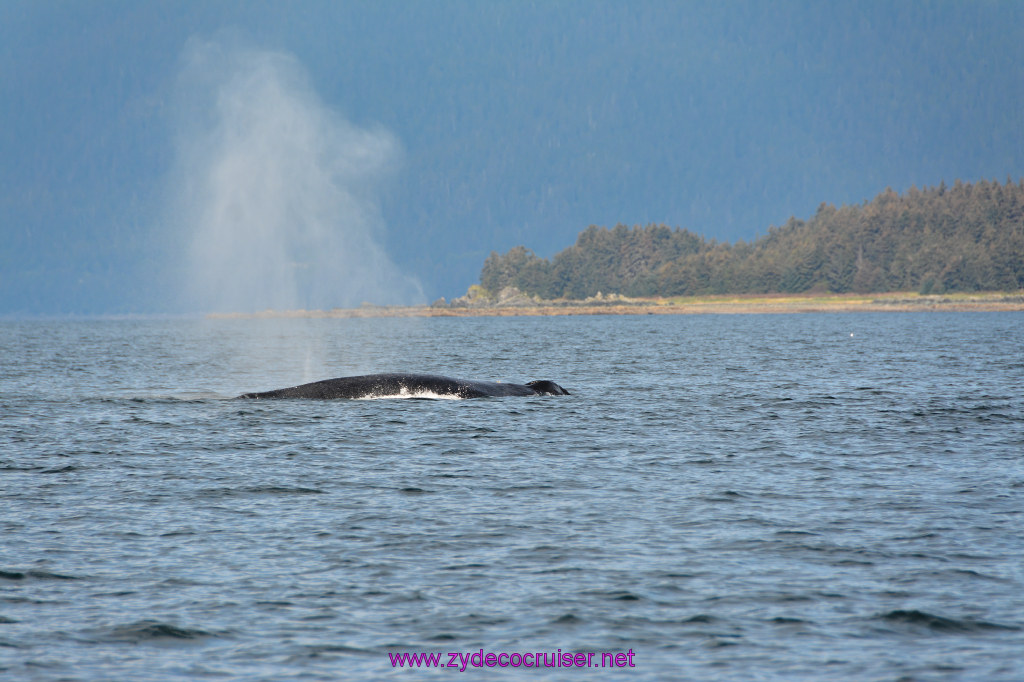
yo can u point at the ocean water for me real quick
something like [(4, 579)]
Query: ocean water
[(766, 497)]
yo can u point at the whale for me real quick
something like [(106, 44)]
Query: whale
[(397, 385)]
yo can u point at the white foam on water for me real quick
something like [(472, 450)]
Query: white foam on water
[(405, 394)]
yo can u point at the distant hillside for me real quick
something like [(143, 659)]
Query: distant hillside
[(960, 238)]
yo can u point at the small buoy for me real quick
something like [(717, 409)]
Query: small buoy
[(851, 333)]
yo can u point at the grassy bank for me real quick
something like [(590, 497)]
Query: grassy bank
[(891, 302)]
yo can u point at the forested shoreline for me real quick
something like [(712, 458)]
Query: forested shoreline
[(968, 237)]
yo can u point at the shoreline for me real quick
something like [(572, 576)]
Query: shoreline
[(690, 305)]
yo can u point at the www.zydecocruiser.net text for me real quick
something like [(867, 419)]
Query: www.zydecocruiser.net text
[(462, 660)]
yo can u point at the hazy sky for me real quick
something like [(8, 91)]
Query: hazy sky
[(413, 138)]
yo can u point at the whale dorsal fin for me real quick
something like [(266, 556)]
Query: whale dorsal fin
[(546, 387)]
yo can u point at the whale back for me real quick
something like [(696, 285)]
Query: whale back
[(407, 386)]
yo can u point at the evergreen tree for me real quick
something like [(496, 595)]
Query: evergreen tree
[(961, 238)]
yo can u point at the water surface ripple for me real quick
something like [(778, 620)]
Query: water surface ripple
[(774, 497)]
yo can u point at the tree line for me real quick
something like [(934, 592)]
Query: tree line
[(968, 237)]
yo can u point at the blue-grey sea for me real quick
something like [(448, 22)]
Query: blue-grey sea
[(722, 497)]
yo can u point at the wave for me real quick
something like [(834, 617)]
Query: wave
[(258, 490), (941, 623), (39, 575), (148, 630)]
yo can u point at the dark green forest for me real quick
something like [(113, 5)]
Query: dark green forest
[(968, 237)]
